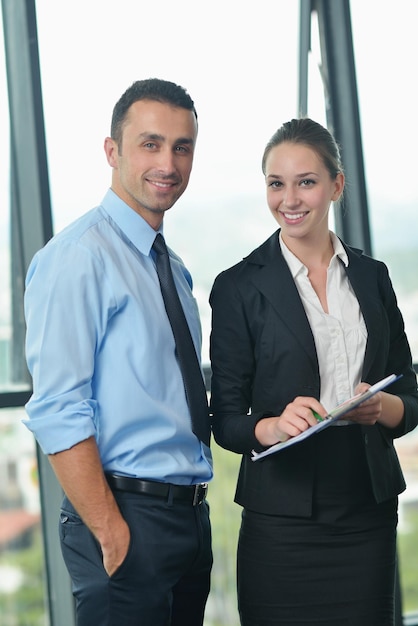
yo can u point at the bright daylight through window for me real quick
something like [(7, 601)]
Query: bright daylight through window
[(240, 65)]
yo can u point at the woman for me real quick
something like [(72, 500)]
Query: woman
[(299, 326)]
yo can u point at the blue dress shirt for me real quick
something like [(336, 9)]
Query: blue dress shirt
[(101, 351)]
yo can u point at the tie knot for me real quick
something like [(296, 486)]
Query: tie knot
[(159, 245)]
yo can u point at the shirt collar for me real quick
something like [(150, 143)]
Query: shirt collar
[(133, 226), (296, 266), (339, 250)]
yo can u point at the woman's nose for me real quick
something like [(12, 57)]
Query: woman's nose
[(290, 197)]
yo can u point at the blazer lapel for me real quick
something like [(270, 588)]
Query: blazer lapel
[(274, 280), (272, 277), (362, 282)]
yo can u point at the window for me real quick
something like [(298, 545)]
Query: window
[(22, 590), (240, 65), (389, 140)]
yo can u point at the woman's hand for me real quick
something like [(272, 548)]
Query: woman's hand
[(369, 411), (297, 417), (383, 407)]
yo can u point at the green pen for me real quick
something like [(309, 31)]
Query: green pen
[(318, 417)]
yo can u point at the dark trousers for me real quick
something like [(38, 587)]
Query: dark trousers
[(165, 578)]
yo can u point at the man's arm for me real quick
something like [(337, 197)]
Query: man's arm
[(80, 474)]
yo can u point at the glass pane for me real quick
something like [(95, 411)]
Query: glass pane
[(407, 448), (13, 373), (22, 589), (5, 304), (243, 78), (389, 141), (231, 61)]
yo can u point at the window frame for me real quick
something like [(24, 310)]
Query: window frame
[(32, 216)]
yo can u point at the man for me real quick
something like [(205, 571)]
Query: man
[(109, 406)]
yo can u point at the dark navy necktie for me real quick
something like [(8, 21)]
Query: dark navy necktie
[(186, 353)]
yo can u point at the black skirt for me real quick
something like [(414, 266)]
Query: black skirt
[(336, 568)]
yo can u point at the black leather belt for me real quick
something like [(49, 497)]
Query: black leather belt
[(194, 494)]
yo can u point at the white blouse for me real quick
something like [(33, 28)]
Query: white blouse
[(340, 335)]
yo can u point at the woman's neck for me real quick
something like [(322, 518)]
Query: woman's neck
[(313, 253)]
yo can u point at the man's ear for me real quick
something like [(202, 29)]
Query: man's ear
[(111, 151)]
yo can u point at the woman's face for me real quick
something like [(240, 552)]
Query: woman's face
[(300, 190)]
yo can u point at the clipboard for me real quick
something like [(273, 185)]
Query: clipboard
[(337, 413)]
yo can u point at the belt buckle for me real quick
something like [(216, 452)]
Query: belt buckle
[(200, 491)]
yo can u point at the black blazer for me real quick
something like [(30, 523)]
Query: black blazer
[(263, 355)]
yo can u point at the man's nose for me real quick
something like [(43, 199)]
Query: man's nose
[(165, 161)]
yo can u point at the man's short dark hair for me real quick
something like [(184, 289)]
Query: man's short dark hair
[(149, 89)]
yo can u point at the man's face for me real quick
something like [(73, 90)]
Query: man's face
[(152, 166)]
